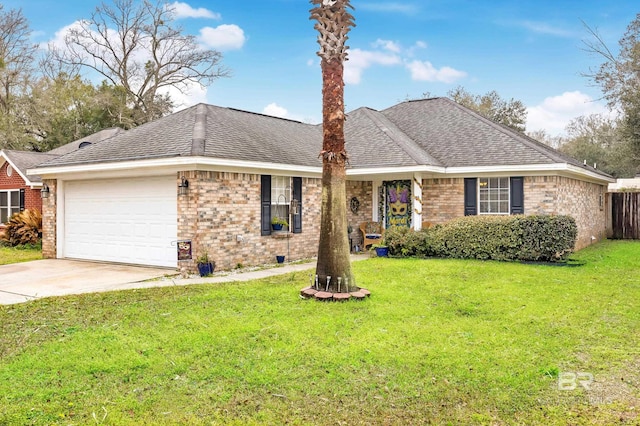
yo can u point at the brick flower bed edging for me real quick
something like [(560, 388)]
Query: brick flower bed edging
[(325, 296)]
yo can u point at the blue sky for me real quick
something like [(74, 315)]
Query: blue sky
[(528, 50)]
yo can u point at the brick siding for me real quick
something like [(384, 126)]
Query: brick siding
[(49, 223), (442, 199), (222, 207), (565, 196), (362, 191), (31, 196)]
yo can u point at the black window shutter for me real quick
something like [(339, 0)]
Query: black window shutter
[(297, 195), (22, 199), (470, 196), (517, 195), (265, 204)]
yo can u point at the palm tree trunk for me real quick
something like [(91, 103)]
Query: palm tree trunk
[(333, 249)]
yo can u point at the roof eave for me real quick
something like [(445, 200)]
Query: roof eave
[(171, 165), (23, 175), (531, 169), (176, 164)]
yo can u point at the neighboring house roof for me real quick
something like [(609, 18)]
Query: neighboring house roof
[(435, 135), (625, 184), (21, 161)]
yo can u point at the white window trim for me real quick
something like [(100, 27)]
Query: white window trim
[(479, 203), (9, 207), (281, 199)]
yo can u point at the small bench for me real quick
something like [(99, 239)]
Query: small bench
[(371, 233)]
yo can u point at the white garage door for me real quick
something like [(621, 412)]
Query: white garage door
[(122, 220)]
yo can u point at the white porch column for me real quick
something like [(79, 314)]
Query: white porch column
[(375, 200), (416, 219)]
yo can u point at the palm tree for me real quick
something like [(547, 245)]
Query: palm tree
[(334, 22)]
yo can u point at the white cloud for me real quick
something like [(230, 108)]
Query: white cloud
[(194, 94), (359, 60), (425, 71), (223, 37), (58, 39), (545, 28), (387, 45), (419, 45), (275, 110), (555, 112), (183, 10)]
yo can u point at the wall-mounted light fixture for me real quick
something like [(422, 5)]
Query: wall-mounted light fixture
[(183, 186), (44, 192)]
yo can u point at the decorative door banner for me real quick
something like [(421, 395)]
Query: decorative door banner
[(398, 203), (184, 250)]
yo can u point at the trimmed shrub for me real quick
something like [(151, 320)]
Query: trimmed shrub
[(23, 228), (476, 237), (546, 238), (406, 242), (528, 238)]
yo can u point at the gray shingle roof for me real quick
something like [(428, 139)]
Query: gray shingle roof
[(241, 135), (372, 140), (436, 132), (228, 134), (25, 160), (459, 137), (93, 138)]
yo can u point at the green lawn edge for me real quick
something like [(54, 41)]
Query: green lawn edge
[(440, 341)]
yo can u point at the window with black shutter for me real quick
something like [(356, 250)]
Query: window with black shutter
[(493, 196), (281, 197), (21, 199), (517, 195), (296, 207), (470, 196), (265, 204)]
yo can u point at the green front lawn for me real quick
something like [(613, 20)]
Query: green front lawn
[(19, 254), (439, 341)]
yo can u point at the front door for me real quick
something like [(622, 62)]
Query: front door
[(397, 203)]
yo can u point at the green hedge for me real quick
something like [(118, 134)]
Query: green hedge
[(528, 238)]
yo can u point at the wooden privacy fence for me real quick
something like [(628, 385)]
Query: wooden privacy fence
[(625, 213)]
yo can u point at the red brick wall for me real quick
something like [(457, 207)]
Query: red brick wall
[(32, 198)]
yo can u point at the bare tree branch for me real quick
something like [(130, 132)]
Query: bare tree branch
[(135, 45)]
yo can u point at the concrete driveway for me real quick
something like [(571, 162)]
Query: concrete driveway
[(20, 282)]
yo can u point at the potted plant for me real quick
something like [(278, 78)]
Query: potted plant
[(277, 223), (205, 265), (382, 250)]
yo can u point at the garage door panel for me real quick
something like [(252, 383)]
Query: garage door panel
[(122, 220)]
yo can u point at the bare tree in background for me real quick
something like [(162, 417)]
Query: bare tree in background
[(619, 78), (334, 22), (136, 45), (17, 54)]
